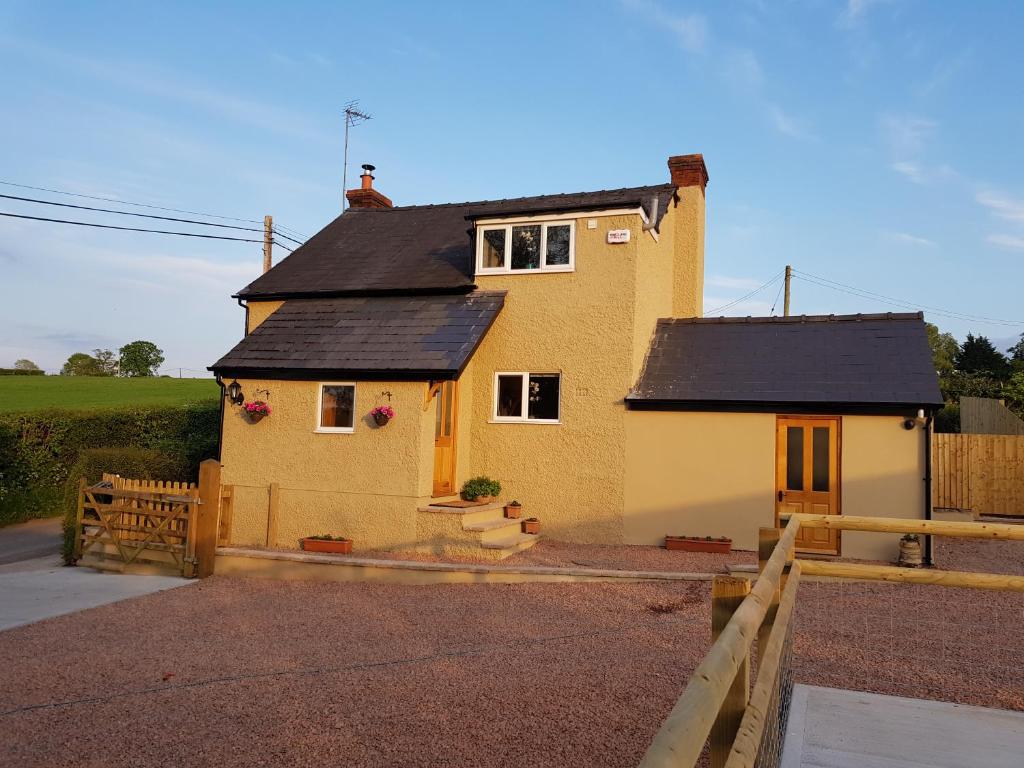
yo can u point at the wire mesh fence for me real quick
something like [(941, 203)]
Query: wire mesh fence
[(769, 752)]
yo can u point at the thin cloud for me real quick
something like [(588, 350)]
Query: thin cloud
[(1006, 241), (1002, 206), (735, 283), (906, 237), (906, 135), (855, 12), (689, 30), (788, 125)]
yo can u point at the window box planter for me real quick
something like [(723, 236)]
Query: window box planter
[(339, 546), (531, 525), (513, 510), (695, 544)]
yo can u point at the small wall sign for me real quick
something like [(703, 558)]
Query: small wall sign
[(618, 236)]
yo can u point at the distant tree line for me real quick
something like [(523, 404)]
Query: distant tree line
[(975, 369), (137, 359)]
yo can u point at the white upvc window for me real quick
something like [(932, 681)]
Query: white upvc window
[(526, 247), (521, 396), (336, 407)]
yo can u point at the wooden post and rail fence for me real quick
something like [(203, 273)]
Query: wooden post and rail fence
[(743, 726), (153, 525)]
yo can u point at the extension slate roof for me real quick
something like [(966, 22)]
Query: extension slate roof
[(842, 360), (417, 248), (408, 337)]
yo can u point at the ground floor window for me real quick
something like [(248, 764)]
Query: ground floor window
[(336, 408), (524, 396)]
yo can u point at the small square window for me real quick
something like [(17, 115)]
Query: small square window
[(337, 408), (532, 397)]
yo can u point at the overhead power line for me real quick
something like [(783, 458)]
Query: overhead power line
[(128, 202), (824, 282), (754, 292), (277, 231), (127, 213), (129, 229)]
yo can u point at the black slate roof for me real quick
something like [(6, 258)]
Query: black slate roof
[(847, 360), (405, 337), (416, 249)]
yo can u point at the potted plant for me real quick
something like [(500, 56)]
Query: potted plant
[(338, 545), (256, 410), (720, 545), (382, 414), (910, 551), (531, 525), (513, 510), (482, 490)]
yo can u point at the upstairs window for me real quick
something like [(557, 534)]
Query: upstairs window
[(532, 397), (337, 407), (528, 247)]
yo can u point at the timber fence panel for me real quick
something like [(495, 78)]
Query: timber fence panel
[(983, 474)]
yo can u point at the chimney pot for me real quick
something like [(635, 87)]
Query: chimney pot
[(688, 171), (366, 196)]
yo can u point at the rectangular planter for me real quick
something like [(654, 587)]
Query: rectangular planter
[(321, 545), (530, 526), (686, 544)]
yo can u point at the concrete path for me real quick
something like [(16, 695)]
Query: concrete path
[(831, 728), (37, 589), (25, 541)]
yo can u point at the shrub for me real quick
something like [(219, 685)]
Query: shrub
[(136, 463), (38, 449), (480, 486)]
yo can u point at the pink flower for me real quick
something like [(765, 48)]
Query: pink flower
[(257, 406), (383, 410)]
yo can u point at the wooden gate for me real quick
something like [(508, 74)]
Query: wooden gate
[(152, 524), (983, 474)]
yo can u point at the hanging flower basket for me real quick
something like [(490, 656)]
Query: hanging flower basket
[(256, 410), (382, 414)]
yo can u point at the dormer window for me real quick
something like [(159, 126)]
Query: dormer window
[(546, 246)]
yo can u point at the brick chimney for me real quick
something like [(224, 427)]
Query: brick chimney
[(690, 177), (366, 196)]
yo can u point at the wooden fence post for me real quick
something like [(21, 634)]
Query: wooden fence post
[(272, 513), (76, 553), (206, 521), (727, 593), (767, 540)]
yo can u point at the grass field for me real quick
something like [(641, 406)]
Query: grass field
[(19, 394)]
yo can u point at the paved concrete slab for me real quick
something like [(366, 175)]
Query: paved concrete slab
[(32, 590), (25, 541), (831, 728)]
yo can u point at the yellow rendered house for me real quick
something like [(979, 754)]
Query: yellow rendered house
[(557, 344)]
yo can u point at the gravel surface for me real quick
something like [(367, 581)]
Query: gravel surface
[(238, 672), (614, 557), (958, 645)]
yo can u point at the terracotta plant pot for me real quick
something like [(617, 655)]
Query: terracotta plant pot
[(694, 544), (513, 511), (342, 547), (483, 500), (381, 419), (531, 526)]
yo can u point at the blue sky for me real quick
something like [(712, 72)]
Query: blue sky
[(875, 144)]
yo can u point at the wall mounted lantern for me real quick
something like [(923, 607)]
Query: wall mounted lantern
[(235, 393)]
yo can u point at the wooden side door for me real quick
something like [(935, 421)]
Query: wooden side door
[(807, 476), (445, 426)]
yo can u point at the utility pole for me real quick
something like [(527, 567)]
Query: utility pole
[(789, 279), (353, 117), (268, 243)]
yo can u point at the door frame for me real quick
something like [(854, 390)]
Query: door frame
[(439, 403), (838, 419)]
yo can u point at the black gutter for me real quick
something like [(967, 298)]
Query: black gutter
[(354, 293), (326, 374), (928, 486), (908, 410), (220, 426), (244, 306)]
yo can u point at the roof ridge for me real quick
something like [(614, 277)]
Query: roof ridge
[(794, 318), (666, 185)]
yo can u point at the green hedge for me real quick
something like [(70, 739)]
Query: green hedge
[(38, 449), (20, 372), (138, 463)]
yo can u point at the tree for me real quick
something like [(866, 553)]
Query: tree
[(81, 364), (25, 365), (140, 358), (1017, 355), (1013, 393), (944, 349), (106, 361), (978, 355)]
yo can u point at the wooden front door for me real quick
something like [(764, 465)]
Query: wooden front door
[(445, 425), (807, 476)]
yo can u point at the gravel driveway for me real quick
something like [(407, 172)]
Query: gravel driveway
[(238, 672)]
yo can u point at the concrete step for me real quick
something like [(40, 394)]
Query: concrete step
[(497, 529), (469, 515), (512, 544)]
